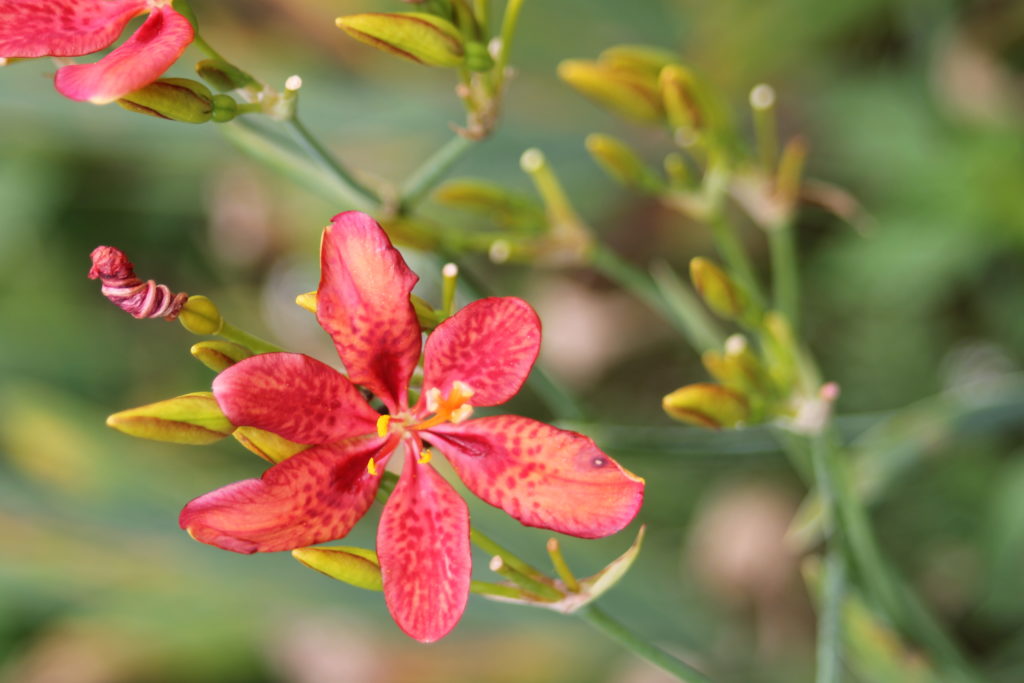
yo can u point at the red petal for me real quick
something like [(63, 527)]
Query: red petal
[(542, 476), (315, 496), (490, 345), (62, 28), (423, 546), (135, 64), (293, 396), (363, 302)]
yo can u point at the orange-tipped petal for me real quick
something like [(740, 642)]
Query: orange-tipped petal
[(542, 476), (423, 546), (363, 303), (489, 345), (62, 28), (135, 64), (293, 396), (315, 496)]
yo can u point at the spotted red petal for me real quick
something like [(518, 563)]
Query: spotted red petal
[(363, 303), (293, 396), (63, 28), (314, 496), (542, 476), (135, 64), (423, 546), (490, 345)]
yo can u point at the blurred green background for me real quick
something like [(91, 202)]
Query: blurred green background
[(914, 106)]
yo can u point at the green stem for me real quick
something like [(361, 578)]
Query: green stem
[(730, 248), (785, 278), (483, 16), (497, 589), (508, 32), (491, 547), (691, 321), (684, 303), (432, 171), (612, 628), (251, 341), (830, 613), (358, 195)]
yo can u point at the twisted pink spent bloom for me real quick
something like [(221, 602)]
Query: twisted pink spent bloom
[(71, 28), (119, 284), (542, 476)]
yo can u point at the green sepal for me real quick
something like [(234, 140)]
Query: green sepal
[(356, 566), (193, 419)]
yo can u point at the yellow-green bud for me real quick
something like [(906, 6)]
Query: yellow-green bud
[(623, 164), (193, 419), (780, 349), (477, 56), (416, 36), (224, 108), (511, 210), (680, 96), (356, 566), (707, 405), (175, 99), (721, 294), (219, 355), (222, 75), (200, 316), (632, 93), (267, 445), (643, 57)]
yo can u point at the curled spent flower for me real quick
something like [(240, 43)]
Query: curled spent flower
[(140, 299)]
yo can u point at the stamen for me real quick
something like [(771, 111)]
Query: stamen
[(371, 467), (451, 408), (382, 425), (425, 457), (461, 414), (433, 399)]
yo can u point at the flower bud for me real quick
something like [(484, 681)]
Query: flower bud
[(416, 36), (175, 99), (622, 163), (680, 96), (126, 291), (267, 445), (638, 57), (507, 209), (224, 108), (631, 93), (200, 316), (307, 301), (222, 75), (193, 419), (219, 355), (780, 350), (356, 566), (707, 405), (477, 57), (721, 294)]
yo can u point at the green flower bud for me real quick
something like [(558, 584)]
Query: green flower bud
[(508, 209), (416, 36), (680, 96), (640, 57), (223, 76), (224, 108), (631, 93), (623, 164), (721, 294), (219, 355), (356, 566), (193, 419), (707, 405), (267, 445), (200, 316), (175, 99)]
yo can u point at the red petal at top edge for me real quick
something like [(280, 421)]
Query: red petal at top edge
[(294, 396), (139, 61), (363, 303), (62, 28), (490, 345), (423, 546), (315, 496), (543, 476)]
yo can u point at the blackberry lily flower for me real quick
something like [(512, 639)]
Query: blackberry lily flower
[(543, 476), (71, 28)]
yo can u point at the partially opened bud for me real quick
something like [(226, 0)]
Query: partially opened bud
[(638, 57), (126, 291), (632, 93), (356, 566), (267, 445), (622, 163), (720, 292), (222, 75), (199, 315), (219, 355), (416, 36), (193, 419), (175, 99), (707, 405)]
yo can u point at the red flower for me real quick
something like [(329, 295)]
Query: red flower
[(71, 28), (542, 476)]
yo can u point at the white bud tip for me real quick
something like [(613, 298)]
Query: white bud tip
[(494, 47), (829, 391), (532, 160), (293, 83), (735, 344), (450, 271), (500, 251), (496, 564), (762, 96)]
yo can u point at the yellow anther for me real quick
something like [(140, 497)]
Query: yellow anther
[(425, 457), (382, 425), (461, 414), (371, 467)]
